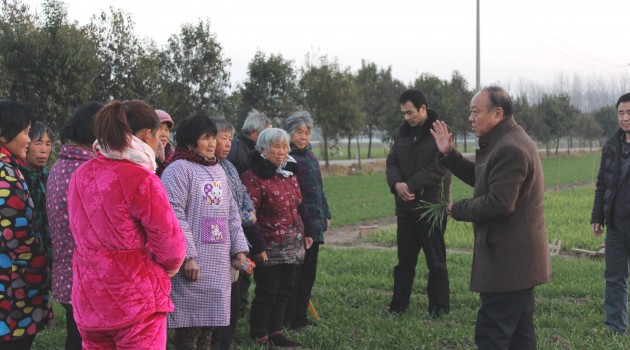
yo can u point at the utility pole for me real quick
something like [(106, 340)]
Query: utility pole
[(478, 86)]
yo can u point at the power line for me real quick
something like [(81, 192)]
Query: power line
[(561, 49)]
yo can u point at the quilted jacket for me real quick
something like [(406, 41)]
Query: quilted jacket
[(24, 274), (276, 199), (608, 182), (316, 210), (69, 159), (127, 236)]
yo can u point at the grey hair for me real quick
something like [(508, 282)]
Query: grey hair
[(297, 120), (270, 136), (38, 129), (223, 125), (255, 121)]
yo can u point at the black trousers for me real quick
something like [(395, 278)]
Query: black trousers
[(73, 341), (192, 338), (506, 321), (244, 283), (222, 337), (274, 287), (412, 236), (23, 343), (304, 280)]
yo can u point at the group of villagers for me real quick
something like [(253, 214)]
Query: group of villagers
[(134, 235)]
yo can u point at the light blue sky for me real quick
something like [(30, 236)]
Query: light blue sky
[(534, 40)]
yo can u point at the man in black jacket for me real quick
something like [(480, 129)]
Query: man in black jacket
[(414, 177), (611, 208), (244, 143), (255, 123)]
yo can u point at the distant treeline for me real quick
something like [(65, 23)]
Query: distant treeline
[(54, 65)]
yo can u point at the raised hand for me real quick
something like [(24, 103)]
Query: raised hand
[(443, 138)]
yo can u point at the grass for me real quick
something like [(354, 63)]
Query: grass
[(564, 170), (365, 196), (567, 218), (354, 286), (358, 198)]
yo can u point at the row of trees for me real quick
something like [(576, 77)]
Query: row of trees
[(55, 65)]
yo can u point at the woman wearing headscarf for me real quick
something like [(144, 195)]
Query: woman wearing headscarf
[(165, 151)]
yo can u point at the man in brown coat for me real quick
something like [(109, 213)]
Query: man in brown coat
[(511, 254)]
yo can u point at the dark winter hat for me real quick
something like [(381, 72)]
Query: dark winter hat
[(164, 118)]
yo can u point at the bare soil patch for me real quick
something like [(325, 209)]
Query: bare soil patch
[(352, 168)]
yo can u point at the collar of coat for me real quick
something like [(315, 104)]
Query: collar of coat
[(264, 168), (250, 144), (302, 151), (493, 135), (7, 157), (406, 130)]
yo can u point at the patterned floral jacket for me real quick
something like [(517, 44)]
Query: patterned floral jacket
[(24, 275), (276, 199), (69, 159)]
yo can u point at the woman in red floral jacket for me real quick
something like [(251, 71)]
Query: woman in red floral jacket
[(274, 190)]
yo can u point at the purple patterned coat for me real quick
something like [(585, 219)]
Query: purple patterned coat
[(69, 159)]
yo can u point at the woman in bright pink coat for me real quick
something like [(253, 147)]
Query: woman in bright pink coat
[(128, 240)]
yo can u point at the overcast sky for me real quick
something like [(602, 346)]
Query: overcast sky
[(533, 40)]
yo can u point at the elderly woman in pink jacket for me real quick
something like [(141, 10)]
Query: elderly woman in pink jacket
[(128, 240)]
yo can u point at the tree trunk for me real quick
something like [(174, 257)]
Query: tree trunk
[(557, 145), (325, 149), (465, 143), (370, 134), (349, 146), (547, 146), (359, 152)]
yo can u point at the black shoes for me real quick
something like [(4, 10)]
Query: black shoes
[(434, 311), (437, 312), (396, 310), (300, 325), (278, 340)]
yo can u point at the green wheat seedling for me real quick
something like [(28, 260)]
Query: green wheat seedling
[(434, 213)]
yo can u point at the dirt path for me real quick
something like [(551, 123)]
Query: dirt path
[(349, 236)]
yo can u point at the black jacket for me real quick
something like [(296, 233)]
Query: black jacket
[(412, 160), (241, 146), (607, 181)]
